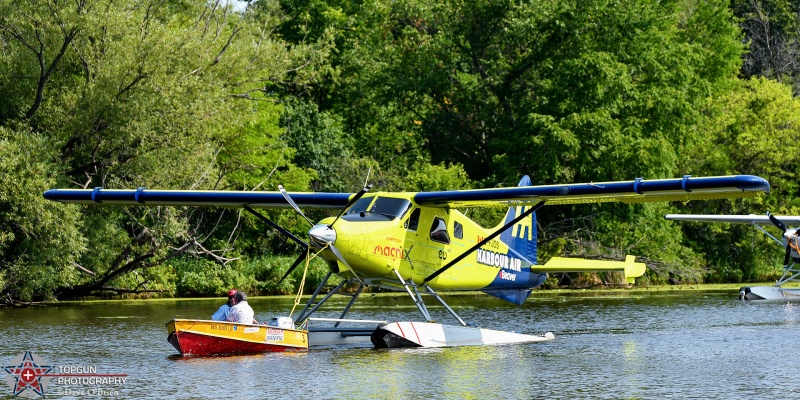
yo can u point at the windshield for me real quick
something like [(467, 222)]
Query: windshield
[(385, 206), (360, 206)]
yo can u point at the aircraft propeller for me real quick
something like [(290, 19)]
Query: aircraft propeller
[(293, 204), (776, 222), (783, 229), (321, 235)]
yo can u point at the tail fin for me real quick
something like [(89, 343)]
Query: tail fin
[(522, 241), (522, 237)]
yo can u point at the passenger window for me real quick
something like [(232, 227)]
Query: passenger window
[(439, 231), (412, 223), (458, 231)]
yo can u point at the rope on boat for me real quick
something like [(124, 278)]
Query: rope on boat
[(309, 257)]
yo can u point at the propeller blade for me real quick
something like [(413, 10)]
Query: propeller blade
[(293, 204), (787, 256), (338, 255), (352, 201), (296, 263), (776, 222)]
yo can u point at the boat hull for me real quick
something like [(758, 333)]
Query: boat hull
[(424, 334), (205, 338)]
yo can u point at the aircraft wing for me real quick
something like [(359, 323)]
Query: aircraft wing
[(217, 198), (635, 191), (735, 219)]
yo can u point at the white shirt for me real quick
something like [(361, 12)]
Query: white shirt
[(241, 313), (793, 241)]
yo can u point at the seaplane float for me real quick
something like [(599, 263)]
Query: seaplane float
[(789, 240), (418, 243)]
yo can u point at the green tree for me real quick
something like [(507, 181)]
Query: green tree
[(772, 31), (559, 90), (562, 91), (146, 94), (750, 130), (40, 240)]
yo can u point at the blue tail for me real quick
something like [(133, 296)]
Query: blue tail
[(515, 281), (522, 237)]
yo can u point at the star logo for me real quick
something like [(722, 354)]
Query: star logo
[(28, 374)]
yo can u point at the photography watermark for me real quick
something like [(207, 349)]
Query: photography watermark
[(31, 376)]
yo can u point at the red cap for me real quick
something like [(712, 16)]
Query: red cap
[(232, 292)]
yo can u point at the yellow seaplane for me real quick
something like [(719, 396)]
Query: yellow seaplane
[(421, 244)]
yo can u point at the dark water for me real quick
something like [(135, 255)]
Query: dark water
[(676, 345)]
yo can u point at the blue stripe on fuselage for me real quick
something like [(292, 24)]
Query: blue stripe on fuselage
[(514, 270)]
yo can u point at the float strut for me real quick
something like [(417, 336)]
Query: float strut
[(350, 304), (303, 314), (417, 298), (453, 313)]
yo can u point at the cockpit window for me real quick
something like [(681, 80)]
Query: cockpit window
[(439, 231), (413, 221), (458, 230), (388, 207)]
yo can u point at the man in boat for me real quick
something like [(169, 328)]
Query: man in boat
[(241, 312), (792, 246), (222, 312)]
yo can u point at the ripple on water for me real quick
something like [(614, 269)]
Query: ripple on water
[(696, 345)]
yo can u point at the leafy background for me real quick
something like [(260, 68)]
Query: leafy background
[(419, 94)]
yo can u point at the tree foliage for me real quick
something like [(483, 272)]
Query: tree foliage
[(39, 240), (153, 94), (405, 95), (750, 130), (772, 31)]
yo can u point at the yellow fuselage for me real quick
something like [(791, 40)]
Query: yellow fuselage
[(375, 248)]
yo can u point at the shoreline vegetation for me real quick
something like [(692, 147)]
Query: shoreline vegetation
[(540, 293)]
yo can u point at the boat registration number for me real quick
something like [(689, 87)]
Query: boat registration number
[(274, 335)]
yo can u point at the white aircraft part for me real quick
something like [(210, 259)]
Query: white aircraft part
[(735, 219), (324, 338), (427, 334), (769, 293)]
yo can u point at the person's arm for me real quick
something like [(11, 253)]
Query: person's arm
[(221, 313)]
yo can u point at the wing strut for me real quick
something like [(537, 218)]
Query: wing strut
[(484, 241), (289, 235), (276, 226)]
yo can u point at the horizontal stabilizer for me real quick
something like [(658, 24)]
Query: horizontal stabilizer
[(563, 264)]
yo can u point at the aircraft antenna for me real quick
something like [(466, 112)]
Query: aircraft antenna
[(367, 179)]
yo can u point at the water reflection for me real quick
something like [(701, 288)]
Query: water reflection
[(686, 345)]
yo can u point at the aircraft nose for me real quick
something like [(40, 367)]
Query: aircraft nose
[(322, 234)]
